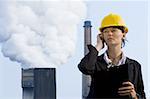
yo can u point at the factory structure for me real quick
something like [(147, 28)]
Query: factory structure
[(39, 83)]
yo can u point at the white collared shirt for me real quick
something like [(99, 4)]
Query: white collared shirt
[(109, 62)]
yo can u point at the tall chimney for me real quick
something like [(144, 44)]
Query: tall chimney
[(39, 83), (86, 80)]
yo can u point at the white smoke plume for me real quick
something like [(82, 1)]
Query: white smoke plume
[(40, 33)]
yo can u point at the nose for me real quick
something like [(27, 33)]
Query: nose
[(110, 32)]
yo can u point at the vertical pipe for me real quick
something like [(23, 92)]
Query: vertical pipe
[(27, 84), (86, 80)]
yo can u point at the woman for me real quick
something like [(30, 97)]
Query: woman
[(113, 74)]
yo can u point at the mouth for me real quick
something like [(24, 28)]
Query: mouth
[(110, 39)]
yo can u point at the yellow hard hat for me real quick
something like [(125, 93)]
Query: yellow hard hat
[(113, 20)]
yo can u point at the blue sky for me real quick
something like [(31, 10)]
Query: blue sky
[(68, 77)]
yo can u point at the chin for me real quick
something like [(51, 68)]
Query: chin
[(111, 44)]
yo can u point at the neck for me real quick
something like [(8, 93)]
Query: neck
[(114, 52)]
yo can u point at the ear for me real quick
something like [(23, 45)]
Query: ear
[(124, 35)]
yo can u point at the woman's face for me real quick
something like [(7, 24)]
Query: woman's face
[(112, 36)]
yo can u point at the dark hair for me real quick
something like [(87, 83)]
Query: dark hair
[(122, 28), (123, 43)]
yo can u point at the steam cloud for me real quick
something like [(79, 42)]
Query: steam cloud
[(39, 33)]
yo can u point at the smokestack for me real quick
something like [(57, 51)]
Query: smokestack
[(86, 80), (39, 83)]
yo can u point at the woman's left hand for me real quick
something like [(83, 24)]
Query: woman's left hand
[(127, 89)]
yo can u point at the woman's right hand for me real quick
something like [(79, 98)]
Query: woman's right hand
[(100, 43)]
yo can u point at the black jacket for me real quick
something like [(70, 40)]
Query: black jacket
[(105, 82)]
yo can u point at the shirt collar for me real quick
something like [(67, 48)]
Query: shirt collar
[(109, 62)]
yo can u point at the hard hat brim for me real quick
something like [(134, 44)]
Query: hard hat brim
[(125, 28)]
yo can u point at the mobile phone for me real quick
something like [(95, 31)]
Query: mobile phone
[(100, 35)]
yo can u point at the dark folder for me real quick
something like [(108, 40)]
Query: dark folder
[(118, 75)]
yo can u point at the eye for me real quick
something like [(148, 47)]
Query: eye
[(114, 30), (106, 31)]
